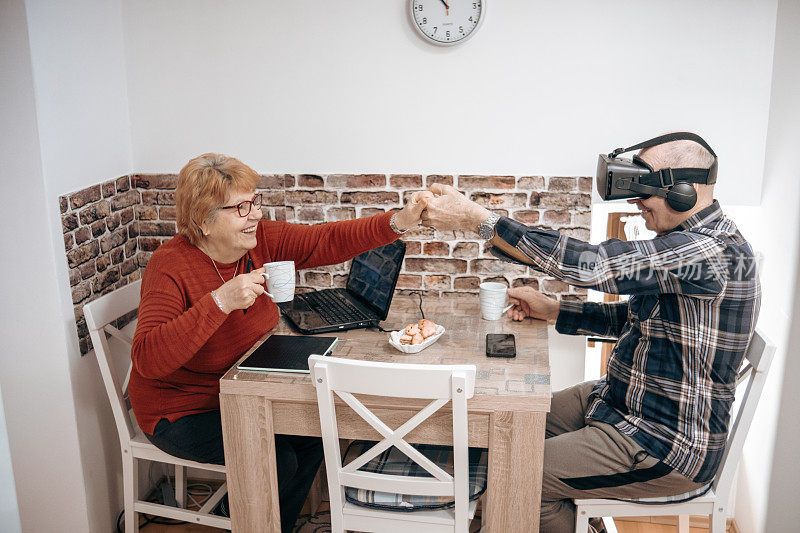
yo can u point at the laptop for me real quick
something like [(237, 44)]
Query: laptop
[(363, 303)]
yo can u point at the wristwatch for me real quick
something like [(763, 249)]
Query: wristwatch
[(486, 228)]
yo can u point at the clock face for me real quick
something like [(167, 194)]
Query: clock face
[(447, 22)]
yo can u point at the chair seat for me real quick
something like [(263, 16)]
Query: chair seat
[(701, 495), (141, 447), (393, 461)]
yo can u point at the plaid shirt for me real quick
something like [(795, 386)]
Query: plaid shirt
[(682, 335)]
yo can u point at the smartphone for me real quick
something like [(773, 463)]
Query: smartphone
[(500, 345)]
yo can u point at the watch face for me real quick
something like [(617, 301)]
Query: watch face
[(447, 22)]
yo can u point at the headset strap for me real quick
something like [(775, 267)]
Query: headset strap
[(667, 177), (661, 139)]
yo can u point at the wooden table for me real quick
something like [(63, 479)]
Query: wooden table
[(506, 415)]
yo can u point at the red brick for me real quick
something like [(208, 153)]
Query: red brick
[(552, 199), (467, 283), (109, 189), (310, 197), (113, 239), (69, 241), (83, 253), (85, 196), (130, 248), (554, 286), (534, 199), (280, 213), (157, 229), (370, 211), (436, 248), (437, 282), (132, 197), (310, 214), (310, 180), (485, 182), (526, 216), (466, 250), (318, 279), (494, 266), (578, 290), (582, 234), (105, 279), (74, 277), (167, 212), (357, 181), (438, 178), (377, 197), (406, 181), (94, 212), (585, 184), (340, 213), (526, 282), (69, 222), (444, 266), (63, 204), (82, 235), (583, 218), (160, 181), (133, 230), (409, 281), (149, 244), (497, 279), (273, 181), (502, 200), (98, 228), (103, 262), (558, 184), (128, 267), (87, 270), (146, 212), (413, 248), (531, 183), (81, 292), (149, 197), (123, 183), (558, 217), (339, 281), (422, 233)]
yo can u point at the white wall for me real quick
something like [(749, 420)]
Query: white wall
[(774, 230), (65, 126), (37, 394), (542, 88)]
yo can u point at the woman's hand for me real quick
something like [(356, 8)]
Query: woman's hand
[(451, 210), (410, 215), (531, 303), (241, 292)]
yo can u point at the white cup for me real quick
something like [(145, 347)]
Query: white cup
[(493, 298), (279, 277)]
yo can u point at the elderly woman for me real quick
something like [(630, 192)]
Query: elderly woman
[(192, 327)]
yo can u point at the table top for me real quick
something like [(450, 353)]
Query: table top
[(519, 384)]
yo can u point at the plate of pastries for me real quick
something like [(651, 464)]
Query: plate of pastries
[(416, 336)]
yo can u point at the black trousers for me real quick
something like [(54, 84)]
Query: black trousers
[(199, 438)]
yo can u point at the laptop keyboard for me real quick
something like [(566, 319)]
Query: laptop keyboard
[(333, 309)]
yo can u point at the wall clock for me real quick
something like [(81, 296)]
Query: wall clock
[(447, 22)]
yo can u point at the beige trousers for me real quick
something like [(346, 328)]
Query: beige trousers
[(593, 460)]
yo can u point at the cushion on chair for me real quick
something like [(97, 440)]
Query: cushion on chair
[(678, 498), (393, 461)]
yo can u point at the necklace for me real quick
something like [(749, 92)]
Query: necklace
[(220, 275)]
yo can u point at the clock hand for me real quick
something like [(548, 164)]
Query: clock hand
[(446, 7)]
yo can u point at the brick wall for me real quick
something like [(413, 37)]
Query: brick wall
[(112, 229)]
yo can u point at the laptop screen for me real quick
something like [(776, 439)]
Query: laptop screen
[(373, 276)]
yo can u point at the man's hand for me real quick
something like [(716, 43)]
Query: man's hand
[(450, 210), (531, 303), (409, 216)]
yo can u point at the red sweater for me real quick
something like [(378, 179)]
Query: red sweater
[(184, 343)]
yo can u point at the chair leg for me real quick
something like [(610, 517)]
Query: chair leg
[(130, 481), (581, 521), (608, 523), (718, 520), (180, 486), (683, 523)]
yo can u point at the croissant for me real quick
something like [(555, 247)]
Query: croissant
[(417, 339), (429, 329)]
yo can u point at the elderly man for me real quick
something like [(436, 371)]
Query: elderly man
[(656, 423)]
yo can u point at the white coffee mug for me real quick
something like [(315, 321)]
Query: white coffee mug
[(279, 277), (493, 297)]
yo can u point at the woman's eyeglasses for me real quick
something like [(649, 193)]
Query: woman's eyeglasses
[(243, 208)]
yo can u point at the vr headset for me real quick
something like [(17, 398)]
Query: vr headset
[(619, 177)]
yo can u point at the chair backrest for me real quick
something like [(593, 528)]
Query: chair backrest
[(758, 359), (439, 383), (99, 315)]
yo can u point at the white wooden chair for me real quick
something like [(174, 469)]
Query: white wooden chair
[(439, 383), (714, 502), (100, 314)]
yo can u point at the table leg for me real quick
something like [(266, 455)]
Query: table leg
[(514, 487), (250, 459)]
